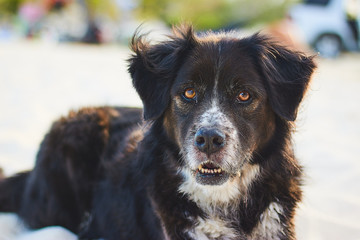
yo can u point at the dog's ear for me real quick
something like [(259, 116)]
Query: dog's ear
[(287, 74), (153, 68)]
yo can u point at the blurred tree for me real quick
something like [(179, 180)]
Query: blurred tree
[(104, 7), (95, 7), (214, 14), (10, 6)]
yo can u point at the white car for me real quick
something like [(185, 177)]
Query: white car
[(323, 24)]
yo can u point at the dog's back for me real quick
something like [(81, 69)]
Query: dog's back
[(69, 164)]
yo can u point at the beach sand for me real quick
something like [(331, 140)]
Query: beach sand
[(40, 82)]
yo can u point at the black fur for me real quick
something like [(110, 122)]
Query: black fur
[(102, 174)]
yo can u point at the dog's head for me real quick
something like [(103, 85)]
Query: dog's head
[(218, 96)]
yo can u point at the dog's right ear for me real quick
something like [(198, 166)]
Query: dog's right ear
[(287, 74), (153, 68)]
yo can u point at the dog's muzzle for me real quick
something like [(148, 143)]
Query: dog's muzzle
[(210, 141)]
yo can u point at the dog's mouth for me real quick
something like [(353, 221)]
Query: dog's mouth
[(209, 173)]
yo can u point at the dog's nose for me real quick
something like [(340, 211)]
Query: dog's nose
[(209, 140)]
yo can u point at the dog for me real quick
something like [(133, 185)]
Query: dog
[(208, 157)]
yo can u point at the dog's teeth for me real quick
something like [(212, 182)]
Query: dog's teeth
[(203, 169)]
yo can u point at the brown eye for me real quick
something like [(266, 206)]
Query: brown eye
[(243, 96), (190, 93)]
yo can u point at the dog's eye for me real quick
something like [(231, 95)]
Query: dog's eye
[(244, 96), (190, 93)]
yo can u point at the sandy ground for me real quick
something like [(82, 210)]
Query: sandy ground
[(40, 82)]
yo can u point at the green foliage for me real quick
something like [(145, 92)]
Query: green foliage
[(214, 13), (103, 7), (10, 6), (262, 11)]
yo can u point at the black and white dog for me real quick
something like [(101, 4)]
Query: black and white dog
[(213, 159)]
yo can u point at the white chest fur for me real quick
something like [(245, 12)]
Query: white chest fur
[(270, 225), (213, 228)]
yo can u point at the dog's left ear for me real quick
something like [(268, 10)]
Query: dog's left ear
[(153, 68), (287, 75)]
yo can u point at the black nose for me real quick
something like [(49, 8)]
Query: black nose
[(209, 140)]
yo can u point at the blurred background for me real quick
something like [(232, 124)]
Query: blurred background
[(328, 26), (57, 55)]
